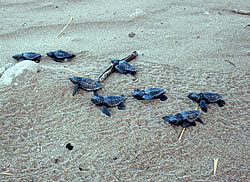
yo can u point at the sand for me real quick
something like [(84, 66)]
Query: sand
[(183, 47)]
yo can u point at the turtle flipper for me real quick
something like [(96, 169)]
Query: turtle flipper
[(147, 97), (163, 97), (37, 60), (121, 106), (188, 124), (75, 89), (21, 59), (221, 103), (57, 60), (95, 93), (200, 121), (133, 73), (72, 56), (203, 105), (105, 110)]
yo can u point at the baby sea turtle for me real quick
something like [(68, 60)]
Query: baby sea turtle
[(123, 66), (111, 68), (108, 101), (85, 84), (150, 93), (184, 118), (60, 55), (206, 98), (27, 56)]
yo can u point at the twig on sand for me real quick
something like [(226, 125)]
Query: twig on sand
[(242, 12), (182, 133), (71, 18), (106, 73), (229, 62), (215, 165), (67, 69), (10, 174)]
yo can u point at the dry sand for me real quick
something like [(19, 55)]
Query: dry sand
[(183, 46)]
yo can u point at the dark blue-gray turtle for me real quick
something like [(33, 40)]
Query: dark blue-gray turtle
[(108, 101), (206, 98), (123, 67), (60, 55), (184, 118), (85, 84), (150, 93), (27, 56), (112, 68)]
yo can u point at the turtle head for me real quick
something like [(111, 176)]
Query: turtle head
[(115, 61), (174, 120), (97, 100), (138, 94), (75, 79), (17, 56), (194, 96), (50, 54)]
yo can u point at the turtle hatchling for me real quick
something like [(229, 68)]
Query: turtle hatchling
[(150, 93), (85, 84), (184, 118), (108, 101), (206, 98), (27, 56), (123, 67), (60, 55)]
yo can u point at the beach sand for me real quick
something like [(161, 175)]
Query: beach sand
[(183, 47)]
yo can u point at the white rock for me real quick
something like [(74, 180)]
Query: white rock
[(5, 67), (18, 69)]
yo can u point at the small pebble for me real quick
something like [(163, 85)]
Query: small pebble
[(80, 168), (69, 146), (132, 34), (115, 158)]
